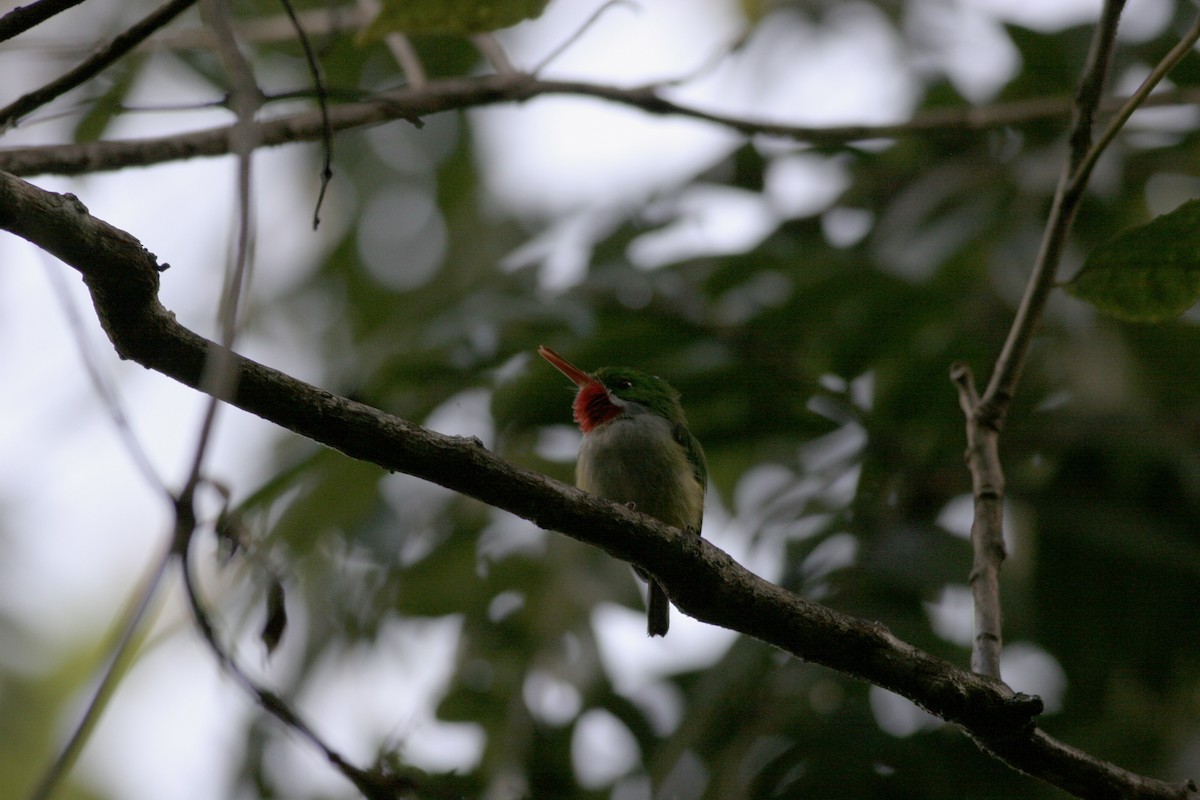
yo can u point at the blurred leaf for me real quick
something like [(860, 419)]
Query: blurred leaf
[(450, 16), (1149, 273), (276, 621), (100, 114), (335, 492)]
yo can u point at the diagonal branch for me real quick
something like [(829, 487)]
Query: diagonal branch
[(998, 395), (11, 114), (22, 18), (702, 580)]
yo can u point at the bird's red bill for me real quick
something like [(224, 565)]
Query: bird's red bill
[(577, 376)]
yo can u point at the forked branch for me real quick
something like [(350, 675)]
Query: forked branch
[(985, 415)]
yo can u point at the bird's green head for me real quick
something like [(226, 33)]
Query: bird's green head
[(634, 386), (610, 392)]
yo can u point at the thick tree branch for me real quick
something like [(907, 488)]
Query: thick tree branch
[(22, 18), (461, 93), (702, 580)]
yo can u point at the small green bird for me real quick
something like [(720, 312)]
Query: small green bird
[(637, 450)]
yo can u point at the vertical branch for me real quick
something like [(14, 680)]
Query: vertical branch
[(245, 98), (987, 528), (314, 69), (985, 415), (221, 378)]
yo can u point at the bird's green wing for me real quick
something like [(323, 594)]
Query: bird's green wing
[(695, 452)]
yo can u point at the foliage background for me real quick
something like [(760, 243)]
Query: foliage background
[(806, 301)]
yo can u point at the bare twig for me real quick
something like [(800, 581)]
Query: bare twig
[(219, 377), (985, 415), (702, 580), (998, 396), (314, 69), (219, 374), (122, 650), (987, 528), (415, 102), (1084, 155), (118, 47), (566, 44), (1131, 104), (401, 48), (104, 388), (22, 18)]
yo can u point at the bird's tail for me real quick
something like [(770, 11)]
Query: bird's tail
[(658, 611)]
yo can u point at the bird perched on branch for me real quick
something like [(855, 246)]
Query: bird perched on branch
[(637, 450)]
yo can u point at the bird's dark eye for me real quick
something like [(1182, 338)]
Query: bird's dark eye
[(623, 383)]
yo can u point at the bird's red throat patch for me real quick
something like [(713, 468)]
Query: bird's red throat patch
[(593, 406)]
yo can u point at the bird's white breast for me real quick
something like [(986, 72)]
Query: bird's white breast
[(636, 459)]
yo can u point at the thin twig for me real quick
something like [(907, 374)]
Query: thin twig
[(122, 651), (103, 387), (118, 47), (987, 526), (314, 69), (490, 47), (245, 98), (22, 18), (985, 415), (998, 396), (220, 378), (566, 44), (277, 28), (413, 103), (1131, 104), (398, 45), (407, 58)]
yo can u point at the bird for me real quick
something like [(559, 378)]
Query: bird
[(637, 450)]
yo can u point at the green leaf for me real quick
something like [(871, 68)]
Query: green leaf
[(95, 121), (1150, 273), (450, 16)]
